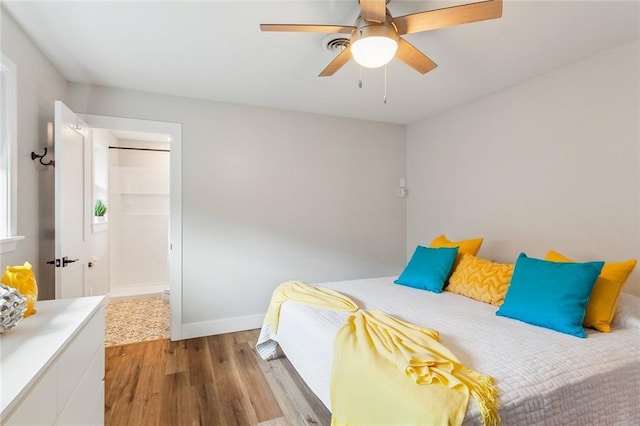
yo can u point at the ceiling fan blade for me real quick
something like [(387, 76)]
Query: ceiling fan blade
[(411, 56), (305, 28), (373, 10), (337, 63), (448, 16)]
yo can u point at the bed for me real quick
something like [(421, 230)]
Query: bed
[(542, 376)]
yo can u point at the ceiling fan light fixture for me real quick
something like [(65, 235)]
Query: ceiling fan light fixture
[(374, 44), (374, 51)]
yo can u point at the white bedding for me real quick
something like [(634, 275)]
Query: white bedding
[(543, 377)]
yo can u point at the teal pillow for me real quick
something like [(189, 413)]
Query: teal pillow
[(550, 294), (428, 268)]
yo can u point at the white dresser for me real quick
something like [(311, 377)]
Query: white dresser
[(52, 365)]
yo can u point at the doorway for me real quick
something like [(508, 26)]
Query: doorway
[(137, 174), (133, 186)]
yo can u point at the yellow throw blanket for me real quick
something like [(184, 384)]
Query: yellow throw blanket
[(369, 352)]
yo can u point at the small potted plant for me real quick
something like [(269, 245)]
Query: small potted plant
[(99, 211)]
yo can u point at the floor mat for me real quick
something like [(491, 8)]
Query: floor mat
[(136, 320)]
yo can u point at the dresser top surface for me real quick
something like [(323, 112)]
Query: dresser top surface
[(28, 349)]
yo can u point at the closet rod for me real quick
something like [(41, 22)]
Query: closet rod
[(140, 149)]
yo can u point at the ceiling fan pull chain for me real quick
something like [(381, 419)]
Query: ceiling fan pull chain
[(360, 80), (385, 84)]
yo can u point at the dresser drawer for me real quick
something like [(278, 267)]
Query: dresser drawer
[(96, 410), (40, 406), (76, 358), (78, 410)]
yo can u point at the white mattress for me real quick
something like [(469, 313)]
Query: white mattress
[(543, 377)]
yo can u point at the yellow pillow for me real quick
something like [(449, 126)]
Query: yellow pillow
[(604, 296), (464, 247), (481, 279)]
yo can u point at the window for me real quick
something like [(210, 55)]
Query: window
[(8, 157)]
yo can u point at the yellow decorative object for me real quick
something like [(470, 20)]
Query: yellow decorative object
[(604, 296), (386, 371), (464, 247), (23, 279), (481, 279)]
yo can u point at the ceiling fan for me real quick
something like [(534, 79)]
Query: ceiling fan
[(376, 35)]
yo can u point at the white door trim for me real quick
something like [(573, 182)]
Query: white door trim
[(175, 199)]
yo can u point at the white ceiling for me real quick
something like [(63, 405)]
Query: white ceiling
[(215, 50)]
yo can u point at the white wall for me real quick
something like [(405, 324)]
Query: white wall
[(39, 84), (552, 163), (98, 275), (269, 196)]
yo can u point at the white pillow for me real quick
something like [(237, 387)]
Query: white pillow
[(627, 312)]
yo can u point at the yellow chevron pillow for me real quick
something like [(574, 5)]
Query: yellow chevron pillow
[(481, 279), (604, 296)]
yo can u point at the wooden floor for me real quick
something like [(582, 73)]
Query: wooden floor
[(215, 380)]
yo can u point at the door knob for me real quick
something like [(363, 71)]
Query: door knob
[(66, 261)]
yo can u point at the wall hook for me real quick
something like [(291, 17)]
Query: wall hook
[(41, 157)]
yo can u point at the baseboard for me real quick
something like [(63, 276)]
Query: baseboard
[(221, 326), (140, 290)]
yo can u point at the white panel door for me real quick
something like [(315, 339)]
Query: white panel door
[(72, 201)]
